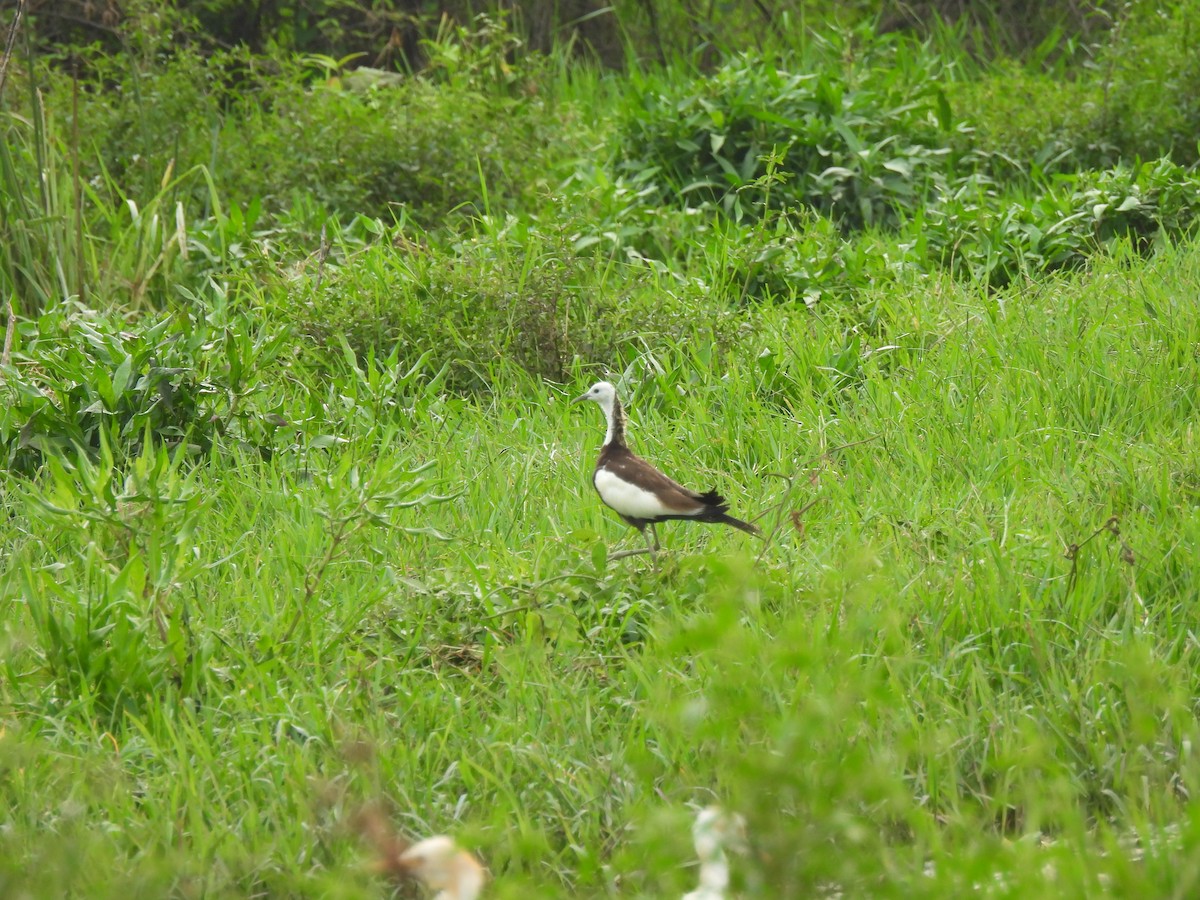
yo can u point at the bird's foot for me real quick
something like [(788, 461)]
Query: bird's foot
[(637, 551)]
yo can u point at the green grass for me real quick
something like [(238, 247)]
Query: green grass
[(915, 693), (297, 517)]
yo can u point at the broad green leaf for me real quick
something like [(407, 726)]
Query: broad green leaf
[(121, 377)]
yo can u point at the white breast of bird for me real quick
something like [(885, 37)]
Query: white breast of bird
[(629, 499)]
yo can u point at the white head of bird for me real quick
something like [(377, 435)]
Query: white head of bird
[(605, 394), (441, 866)]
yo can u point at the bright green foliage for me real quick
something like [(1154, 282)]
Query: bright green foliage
[(185, 380), (112, 624), (1129, 94), (863, 146), (41, 261), (980, 235), (509, 292), (871, 141), (296, 516), (909, 690), (69, 229), (412, 147), (276, 130)]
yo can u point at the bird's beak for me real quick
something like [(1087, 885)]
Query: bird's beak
[(579, 399)]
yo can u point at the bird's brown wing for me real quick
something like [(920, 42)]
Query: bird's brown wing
[(630, 467)]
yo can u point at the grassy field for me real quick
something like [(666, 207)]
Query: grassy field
[(302, 522)]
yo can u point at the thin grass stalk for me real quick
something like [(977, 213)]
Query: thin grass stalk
[(11, 319), (81, 281), (9, 43), (19, 211), (52, 205)]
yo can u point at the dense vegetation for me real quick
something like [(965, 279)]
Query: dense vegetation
[(296, 517)]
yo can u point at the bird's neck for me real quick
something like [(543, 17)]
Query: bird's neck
[(615, 415)]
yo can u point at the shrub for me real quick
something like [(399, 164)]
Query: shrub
[(476, 130), (137, 121), (427, 150), (112, 630), (95, 240), (803, 258), (82, 379), (980, 233), (1132, 96), (1139, 202), (511, 293), (863, 146), (1149, 76), (1026, 125)]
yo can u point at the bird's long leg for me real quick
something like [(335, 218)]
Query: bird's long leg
[(653, 548), (647, 549), (636, 551)]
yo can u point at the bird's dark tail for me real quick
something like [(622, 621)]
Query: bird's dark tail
[(718, 511), (727, 519)]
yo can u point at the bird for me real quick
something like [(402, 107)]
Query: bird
[(640, 493), (439, 864), (713, 831)]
